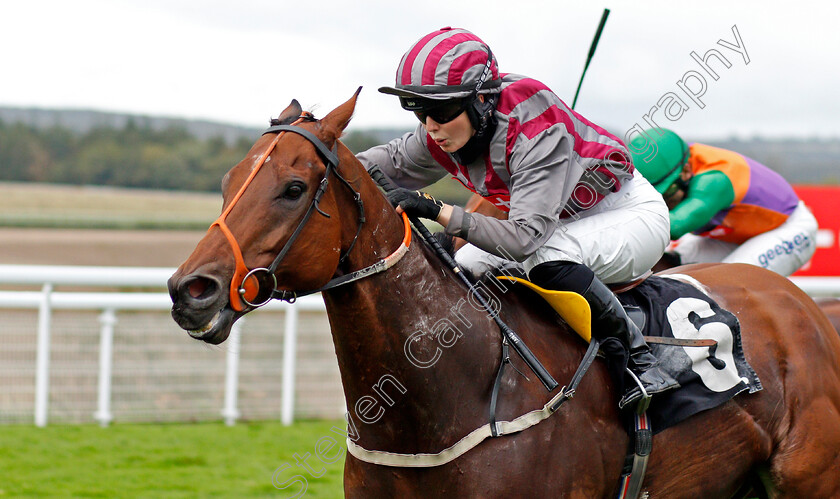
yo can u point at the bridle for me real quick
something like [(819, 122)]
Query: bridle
[(256, 287)]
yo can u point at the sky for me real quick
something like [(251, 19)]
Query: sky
[(242, 61)]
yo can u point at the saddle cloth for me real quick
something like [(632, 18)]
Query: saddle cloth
[(675, 306)]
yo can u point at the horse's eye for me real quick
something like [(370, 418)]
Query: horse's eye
[(293, 191)]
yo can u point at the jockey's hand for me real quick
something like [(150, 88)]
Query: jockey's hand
[(415, 203)]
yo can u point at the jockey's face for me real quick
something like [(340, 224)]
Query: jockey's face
[(675, 199), (450, 136), (678, 191)]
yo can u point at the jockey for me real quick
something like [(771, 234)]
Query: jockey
[(579, 215), (725, 207)]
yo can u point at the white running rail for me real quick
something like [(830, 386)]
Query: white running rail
[(46, 300)]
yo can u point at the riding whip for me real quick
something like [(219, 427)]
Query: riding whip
[(591, 52)]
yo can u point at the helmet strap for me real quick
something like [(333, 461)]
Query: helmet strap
[(481, 113)]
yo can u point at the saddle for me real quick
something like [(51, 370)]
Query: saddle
[(574, 309)]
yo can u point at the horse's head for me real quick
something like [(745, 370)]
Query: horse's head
[(286, 224)]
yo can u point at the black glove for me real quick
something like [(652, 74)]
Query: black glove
[(415, 203)]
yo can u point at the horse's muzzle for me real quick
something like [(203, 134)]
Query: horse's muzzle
[(200, 306)]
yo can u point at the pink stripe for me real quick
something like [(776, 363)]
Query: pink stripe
[(552, 116), (497, 192), (585, 196), (492, 182), (585, 149), (465, 62), (517, 92), (510, 140), (588, 123), (412, 56), (524, 89), (437, 53)]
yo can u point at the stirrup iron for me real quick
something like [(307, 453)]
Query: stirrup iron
[(637, 393)]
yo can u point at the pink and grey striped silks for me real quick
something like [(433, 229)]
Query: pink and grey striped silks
[(544, 161)]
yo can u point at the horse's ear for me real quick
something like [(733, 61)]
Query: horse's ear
[(290, 114), (334, 123)]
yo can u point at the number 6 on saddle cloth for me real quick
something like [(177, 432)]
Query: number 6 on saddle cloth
[(687, 318)]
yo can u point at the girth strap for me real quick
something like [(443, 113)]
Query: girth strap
[(635, 464), (459, 448), (478, 435)]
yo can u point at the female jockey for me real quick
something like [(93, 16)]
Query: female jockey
[(579, 215), (725, 207)]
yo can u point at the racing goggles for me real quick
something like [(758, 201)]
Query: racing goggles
[(441, 111)]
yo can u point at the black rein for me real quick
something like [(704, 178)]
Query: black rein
[(331, 163)]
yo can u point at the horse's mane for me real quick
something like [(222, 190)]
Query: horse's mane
[(288, 120)]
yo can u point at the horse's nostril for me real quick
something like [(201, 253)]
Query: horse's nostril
[(197, 287)]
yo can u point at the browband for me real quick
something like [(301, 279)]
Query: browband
[(330, 156)]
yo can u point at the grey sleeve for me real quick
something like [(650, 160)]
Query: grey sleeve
[(541, 183), (405, 160), (508, 239)]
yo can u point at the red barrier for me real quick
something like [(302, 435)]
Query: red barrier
[(824, 202)]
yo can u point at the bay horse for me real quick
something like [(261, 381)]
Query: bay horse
[(786, 435)]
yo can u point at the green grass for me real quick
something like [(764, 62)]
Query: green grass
[(37, 205), (45, 206), (89, 207), (193, 460)]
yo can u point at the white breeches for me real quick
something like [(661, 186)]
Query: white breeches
[(783, 250), (620, 238)]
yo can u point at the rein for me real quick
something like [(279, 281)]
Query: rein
[(256, 287)]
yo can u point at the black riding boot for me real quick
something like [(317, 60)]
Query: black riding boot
[(609, 320), (610, 325)]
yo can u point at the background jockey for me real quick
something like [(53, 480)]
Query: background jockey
[(725, 207), (578, 213)]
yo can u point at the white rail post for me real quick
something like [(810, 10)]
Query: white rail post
[(229, 411), (107, 320), (289, 346), (42, 366)]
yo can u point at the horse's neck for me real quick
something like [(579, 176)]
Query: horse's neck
[(407, 343)]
